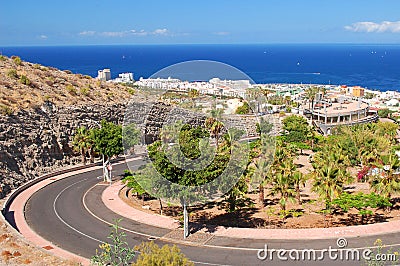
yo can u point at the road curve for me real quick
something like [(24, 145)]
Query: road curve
[(58, 213)]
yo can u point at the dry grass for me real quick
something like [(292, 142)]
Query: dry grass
[(15, 251), (49, 84)]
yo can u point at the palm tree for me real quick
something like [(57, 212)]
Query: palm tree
[(310, 95), (328, 182), (215, 127), (260, 173), (82, 142), (299, 181), (282, 185), (387, 182)]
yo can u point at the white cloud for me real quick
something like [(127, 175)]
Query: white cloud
[(139, 33), (222, 33), (160, 32), (114, 33), (87, 33), (366, 26), (133, 32), (43, 37)]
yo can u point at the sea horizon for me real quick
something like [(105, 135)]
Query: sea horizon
[(373, 66)]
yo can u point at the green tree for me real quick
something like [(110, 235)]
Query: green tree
[(299, 180), (263, 127), (131, 137), (108, 139), (384, 113), (215, 127), (260, 175), (387, 181), (82, 142), (243, 110), (131, 182), (311, 93), (296, 131), (236, 197), (150, 254), (282, 186), (328, 181)]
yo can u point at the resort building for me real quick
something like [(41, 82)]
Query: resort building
[(358, 91), (104, 75), (124, 78), (327, 114), (234, 84)]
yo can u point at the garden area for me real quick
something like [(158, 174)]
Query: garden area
[(307, 181)]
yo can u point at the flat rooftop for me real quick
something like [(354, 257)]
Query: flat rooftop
[(337, 108)]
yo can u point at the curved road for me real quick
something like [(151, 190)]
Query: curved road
[(59, 213)]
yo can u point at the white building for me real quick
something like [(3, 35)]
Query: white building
[(392, 102), (124, 78), (234, 84), (104, 75)]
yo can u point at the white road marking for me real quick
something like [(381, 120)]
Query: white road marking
[(100, 219), (63, 221), (146, 235)]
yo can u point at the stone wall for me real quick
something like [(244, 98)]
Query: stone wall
[(38, 141)]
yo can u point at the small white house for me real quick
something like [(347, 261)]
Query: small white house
[(392, 102)]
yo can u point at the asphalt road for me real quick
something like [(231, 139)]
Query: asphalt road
[(59, 213)]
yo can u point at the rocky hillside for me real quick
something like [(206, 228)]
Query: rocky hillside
[(26, 85), (40, 107)]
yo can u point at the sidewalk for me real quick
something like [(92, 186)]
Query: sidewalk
[(112, 200), (17, 207)]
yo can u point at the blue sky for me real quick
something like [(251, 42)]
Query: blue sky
[(26, 22)]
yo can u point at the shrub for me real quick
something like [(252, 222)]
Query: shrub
[(84, 91), (17, 60), (2, 58), (12, 73), (244, 109), (152, 254), (46, 97), (24, 80), (5, 110), (36, 66), (71, 89), (131, 91), (110, 95), (115, 253), (385, 113)]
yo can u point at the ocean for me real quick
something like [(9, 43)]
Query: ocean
[(371, 66)]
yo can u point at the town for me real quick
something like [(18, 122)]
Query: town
[(325, 106)]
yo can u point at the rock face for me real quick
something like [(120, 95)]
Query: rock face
[(38, 141)]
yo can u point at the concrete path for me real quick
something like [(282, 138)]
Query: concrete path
[(112, 200)]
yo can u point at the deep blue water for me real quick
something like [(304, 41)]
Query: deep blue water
[(371, 66)]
